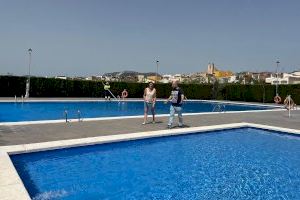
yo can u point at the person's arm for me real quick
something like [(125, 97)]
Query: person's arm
[(182, 96), (154, 96), (168, 99), (144, 96)]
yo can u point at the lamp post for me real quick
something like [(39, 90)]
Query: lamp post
[(156, 78), (28, 79), (277, 65)]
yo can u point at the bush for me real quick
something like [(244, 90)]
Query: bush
[(50, 87)]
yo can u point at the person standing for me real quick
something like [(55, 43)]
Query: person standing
[(176, 98), (106, 91), (149, 102)]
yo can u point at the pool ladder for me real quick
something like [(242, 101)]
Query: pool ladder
[(219, 108), (78, 116)]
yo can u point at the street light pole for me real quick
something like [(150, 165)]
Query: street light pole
[(28, 79), (156, 78), (277, 65)]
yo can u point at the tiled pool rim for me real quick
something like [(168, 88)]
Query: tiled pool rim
[(11, 186), (275, 108)]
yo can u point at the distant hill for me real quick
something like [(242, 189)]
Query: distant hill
[(129, 73)]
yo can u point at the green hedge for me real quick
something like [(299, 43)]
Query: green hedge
[(50, 87)]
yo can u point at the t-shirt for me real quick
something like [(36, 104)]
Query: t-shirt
[(106, 87), (149, 95), (176, 96)]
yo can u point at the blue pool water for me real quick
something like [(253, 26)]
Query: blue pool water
[(241, 163), (14, 112)]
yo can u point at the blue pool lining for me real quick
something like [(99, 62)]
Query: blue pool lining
[(11, 186)]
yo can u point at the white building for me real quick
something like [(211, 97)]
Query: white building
[(91, 78), (61, 77), (178, 77), (167, 78), (286, 78), (141, 78), (233, 79)]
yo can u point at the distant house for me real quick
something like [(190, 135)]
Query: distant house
[(167, 78), (178, 77), (285, 78), (233, 79), (61, 77), (141, 78), (78, 78), (261, 76), (153, 79), (91, 78)]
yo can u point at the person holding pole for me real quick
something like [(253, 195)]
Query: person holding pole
[(176, 98), (106, 91)]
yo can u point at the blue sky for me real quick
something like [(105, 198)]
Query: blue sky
[(72, 37)]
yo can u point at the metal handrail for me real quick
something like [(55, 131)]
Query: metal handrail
[(219, 108)]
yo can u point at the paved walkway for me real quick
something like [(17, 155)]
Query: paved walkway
[(21, 134)]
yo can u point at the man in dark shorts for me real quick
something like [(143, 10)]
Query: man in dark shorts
[(176, 98)]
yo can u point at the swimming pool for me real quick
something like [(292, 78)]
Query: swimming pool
[(35, 111), (242, 163)]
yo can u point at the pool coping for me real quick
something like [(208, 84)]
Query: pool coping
[(275, 108), (11, 185)]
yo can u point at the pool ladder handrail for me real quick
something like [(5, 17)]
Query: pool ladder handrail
[(66, 116), (219, 107), (78, 116)]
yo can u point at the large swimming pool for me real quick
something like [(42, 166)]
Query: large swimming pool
[(244, 163), (33, 111)]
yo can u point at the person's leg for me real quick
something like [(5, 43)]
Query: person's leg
[(145, 112), (180, 119), (153, 112), (171, 118)]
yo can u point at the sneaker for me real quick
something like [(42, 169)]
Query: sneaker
[(153, 122), (143, 123), (180, 125), (169, 126)]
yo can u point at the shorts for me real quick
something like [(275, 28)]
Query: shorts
[(106, 93), (148, 105)]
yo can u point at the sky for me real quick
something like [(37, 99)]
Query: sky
[(92, 37)]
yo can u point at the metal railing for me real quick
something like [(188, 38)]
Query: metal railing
[(66, 116), (219, 108)]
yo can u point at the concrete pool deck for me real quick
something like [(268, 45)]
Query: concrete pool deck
[(35, 133)]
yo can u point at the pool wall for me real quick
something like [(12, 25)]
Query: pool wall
[(11, 186)]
